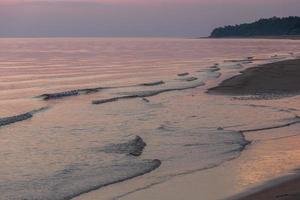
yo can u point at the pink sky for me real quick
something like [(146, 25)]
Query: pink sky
[(189, 18), (147, 2)]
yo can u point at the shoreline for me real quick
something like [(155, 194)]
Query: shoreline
[(291, 37), (76, 146), (284, 187), (230, 179), (246, 83), (235, 179)]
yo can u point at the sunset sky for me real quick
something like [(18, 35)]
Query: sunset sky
[(129, 18)]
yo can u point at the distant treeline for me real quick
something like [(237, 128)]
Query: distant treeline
[(275, 26)]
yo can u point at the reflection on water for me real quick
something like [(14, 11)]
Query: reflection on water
[(55, 154)]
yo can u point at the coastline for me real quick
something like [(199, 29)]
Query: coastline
[(73, 143), (234, 179), (284, 78), (245, 178), (288, 37)]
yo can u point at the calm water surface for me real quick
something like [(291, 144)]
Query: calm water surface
[(65, 150)]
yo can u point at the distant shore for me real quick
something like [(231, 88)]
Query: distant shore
[(280, 78), (287, 37)]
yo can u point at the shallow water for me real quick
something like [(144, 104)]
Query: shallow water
[(58, 153)]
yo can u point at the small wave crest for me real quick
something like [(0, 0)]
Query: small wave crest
[(76, 180), (21, 117)]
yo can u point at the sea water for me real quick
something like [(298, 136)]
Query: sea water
[(89, 97)]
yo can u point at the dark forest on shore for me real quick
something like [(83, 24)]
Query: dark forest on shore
[(288, 26)]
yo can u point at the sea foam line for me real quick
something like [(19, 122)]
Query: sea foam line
[(21, 117), (144, 94)]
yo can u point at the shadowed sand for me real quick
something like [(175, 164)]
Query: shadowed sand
[(285, 191), (280, 78)]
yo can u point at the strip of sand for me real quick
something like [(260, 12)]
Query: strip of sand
[(269, 79)]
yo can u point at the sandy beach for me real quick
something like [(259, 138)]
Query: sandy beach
[(141, 125), (271, 158), (276, 77), (149, 100), (280, 77)]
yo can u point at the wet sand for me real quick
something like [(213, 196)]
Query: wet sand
[(283, 37), (285, 191), (76, 147), (280, 78), (271, 155)]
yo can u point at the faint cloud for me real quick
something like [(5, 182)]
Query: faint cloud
[(77, 3)]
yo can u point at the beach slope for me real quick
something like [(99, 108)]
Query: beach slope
[(275, 78)]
